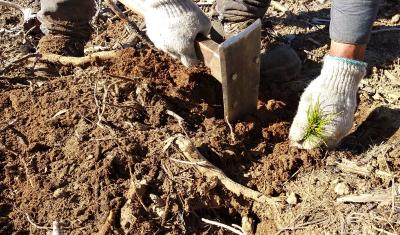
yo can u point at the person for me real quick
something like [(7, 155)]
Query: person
[(172, 25)]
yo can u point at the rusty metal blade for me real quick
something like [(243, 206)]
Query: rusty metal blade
[(207, 51), (240, 72)]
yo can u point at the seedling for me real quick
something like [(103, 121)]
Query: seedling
[(317, 121)]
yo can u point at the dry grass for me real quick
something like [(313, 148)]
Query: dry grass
[(319, 211)]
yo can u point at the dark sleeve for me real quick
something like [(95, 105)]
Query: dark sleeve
[(352, 20)]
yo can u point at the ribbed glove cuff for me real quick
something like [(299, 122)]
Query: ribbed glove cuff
[(173, 8), (342, 75)]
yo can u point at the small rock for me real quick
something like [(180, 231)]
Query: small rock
[(395, 19), (342, 189), (369, 90), (59, 192), (247, 225), (292, 199), (377, 96)]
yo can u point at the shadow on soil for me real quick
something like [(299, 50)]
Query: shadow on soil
[(381, 124), (384, 39)]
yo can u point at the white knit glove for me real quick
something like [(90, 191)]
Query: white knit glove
[(334, 92), (172, 25)]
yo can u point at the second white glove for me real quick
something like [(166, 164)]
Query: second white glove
[(172, 25), (331, 100)]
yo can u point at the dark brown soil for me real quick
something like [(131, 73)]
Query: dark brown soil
[(71, 146)]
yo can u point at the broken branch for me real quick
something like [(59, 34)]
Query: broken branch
[(77, 61), (232, 228), (211, 171), (351, 167), (364, 198), (65, 60)]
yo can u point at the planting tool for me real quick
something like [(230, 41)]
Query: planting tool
[(235, 63)]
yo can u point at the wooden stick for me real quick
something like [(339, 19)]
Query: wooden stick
[(351, 167), (65, 60), (230, 228), (364, 198), (211, 171), (106, 228), (77, 61)]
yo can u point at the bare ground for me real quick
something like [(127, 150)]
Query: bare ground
[(89, 143)]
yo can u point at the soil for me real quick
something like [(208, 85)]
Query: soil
[(78, 147)]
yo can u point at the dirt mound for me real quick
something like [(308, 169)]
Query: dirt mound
[(86, 149), (81, 139)]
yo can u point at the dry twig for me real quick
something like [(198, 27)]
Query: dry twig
[(302, 226), (352, 167), (55, 229), (77, 61), (236, 229), (178, 118), (232, 133), (34, 224), (364, 198), (211, 172), (65, 60), (106, 228)]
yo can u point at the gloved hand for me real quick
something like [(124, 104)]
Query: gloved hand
[(241, 10), (333, 96), (172, 25)]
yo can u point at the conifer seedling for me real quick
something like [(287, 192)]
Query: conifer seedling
[(317, 121)]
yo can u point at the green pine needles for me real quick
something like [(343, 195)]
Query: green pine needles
[(317, 121)]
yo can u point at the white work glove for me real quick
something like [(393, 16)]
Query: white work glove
[(335, 91), (172, 25)]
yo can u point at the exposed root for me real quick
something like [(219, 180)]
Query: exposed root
[(77, 61), (65, 60), (212, 172)]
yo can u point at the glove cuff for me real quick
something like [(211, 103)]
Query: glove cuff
[(342, 75), (172, 8)]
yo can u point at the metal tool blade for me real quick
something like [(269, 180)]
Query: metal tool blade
[(240, 72)]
